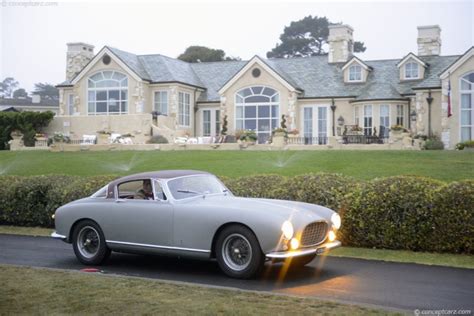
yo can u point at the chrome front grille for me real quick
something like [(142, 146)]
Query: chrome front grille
[(314, 234)]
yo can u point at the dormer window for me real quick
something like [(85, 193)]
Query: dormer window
[(355, 73), (411, 70)]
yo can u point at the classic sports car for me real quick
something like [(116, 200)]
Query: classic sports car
[(193, 214)]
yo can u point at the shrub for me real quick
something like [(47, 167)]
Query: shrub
[(466, 144), (158, 139), (28, 122), (321, 188), (31, 200), (433, 144), (453, 215), (259, 186), (393, 213)]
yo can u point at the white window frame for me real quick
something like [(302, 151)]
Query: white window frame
[(400, 114), (410, 71), (184, 109), (352, 71), (356, 115), (315, 120), (380, 117), (107, 89), (367, 106), (257, 104), (214, 122), (471, 93), (158, 105), (70, 104)]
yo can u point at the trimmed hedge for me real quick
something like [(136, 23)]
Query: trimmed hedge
[(31, 200), (392, 213), (403, 212)]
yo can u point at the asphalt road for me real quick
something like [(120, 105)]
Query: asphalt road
[(392, 285)]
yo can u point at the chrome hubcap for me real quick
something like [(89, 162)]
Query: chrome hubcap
[(88, 241), (236, 252)]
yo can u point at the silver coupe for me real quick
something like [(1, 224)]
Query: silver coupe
[(193, 214)]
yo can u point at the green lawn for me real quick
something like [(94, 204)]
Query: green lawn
[(442, 165), (51, 292)]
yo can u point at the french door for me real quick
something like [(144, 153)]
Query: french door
[(315, 124), (211, 122)]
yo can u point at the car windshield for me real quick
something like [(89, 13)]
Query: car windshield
[(190, 186), (102, 193)]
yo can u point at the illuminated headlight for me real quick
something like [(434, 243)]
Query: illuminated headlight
[(336, 220), (332, 236), (287, 229), (294, 244)]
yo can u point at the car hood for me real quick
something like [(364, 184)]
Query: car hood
[(299, 213)]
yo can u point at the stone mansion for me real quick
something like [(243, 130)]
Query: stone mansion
[(320, 97)]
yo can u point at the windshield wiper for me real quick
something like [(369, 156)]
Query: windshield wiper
[(188, 191)]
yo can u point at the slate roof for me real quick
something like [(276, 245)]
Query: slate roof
[(314, 76), (27, 102)]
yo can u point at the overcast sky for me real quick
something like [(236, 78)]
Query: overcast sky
[(33, 38)]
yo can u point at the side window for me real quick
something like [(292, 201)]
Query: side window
[(137, 190), (159, 193)]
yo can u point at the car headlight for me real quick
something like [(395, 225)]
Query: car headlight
[(287, 229), (336, 220)]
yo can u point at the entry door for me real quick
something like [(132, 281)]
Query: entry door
[(315, 124), (211, 122)]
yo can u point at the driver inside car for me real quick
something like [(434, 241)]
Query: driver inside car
[(146, 192)]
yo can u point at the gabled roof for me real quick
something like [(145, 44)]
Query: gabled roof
[(357, 60), (412, 56), (312, 77), (458, 62), (267, 66)]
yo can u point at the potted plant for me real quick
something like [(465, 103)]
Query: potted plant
[(103, 137), (248, 137), (468, 145)]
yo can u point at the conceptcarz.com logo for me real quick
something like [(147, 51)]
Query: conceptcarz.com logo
[(419, 312), (25, 4)]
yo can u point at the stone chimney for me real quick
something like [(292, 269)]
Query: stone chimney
[(429, 40), (78, 55), (341, 44)]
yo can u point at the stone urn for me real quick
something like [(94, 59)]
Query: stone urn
[(103, 139), (17, 141), (278, 139)]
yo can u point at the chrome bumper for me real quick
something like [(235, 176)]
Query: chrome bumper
[(58, 236), (304, 252)]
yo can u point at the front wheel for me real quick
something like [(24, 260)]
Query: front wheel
[(88, 243), (238, 252)]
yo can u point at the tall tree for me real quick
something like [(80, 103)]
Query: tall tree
[(46, 90), (7, 86), (306, 37), (195, 54), (20, 93)]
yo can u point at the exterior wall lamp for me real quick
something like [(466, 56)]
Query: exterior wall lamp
[(340, 121)]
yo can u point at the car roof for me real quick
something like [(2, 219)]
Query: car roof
[(162, 174)]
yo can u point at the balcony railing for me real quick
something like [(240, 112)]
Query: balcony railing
[(307, 140), (364, 139)]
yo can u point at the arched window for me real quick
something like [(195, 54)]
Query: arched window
[(467, 106), (257, 109), (107, 93)]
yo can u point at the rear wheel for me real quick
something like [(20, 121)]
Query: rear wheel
[(238, 252), (88, 243)]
